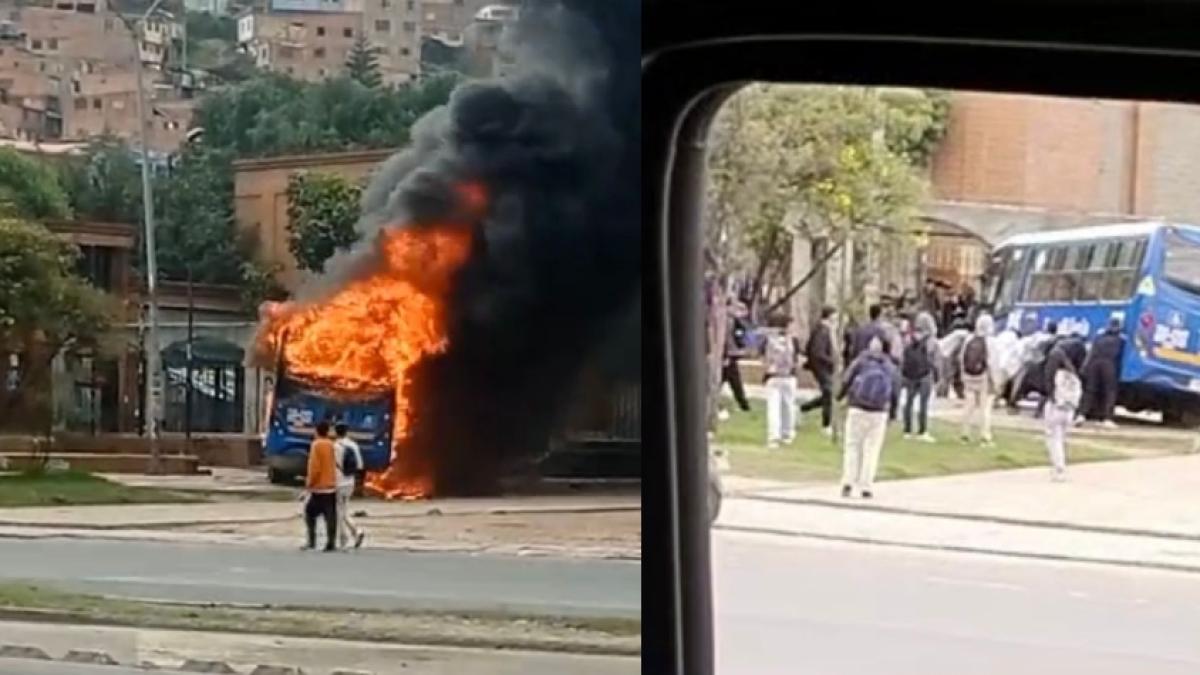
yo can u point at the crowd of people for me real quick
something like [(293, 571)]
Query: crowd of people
[(902, 354)]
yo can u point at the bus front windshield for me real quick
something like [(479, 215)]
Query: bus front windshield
[(1181, 262)]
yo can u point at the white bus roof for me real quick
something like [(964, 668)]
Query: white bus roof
[(1113, 231)]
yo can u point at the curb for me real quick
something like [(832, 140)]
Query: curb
[(997, 520), (432, 512), (950, 548), (189, 666)]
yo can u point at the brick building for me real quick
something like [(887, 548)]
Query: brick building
[(311, 39)]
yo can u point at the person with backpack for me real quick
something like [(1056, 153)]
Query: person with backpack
[(1065, 391), (975, 365), (918, 372), (349, 466), (820, 360), (779, 359), (868, 384)]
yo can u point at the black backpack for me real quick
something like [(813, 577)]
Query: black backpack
[(350, 465), (916, 364), (975, 356)]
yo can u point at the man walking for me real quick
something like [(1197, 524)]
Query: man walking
[(820, 360), (321, 483), (978, 382), (918, 372), (868, 383), (731, 371), (1100, 375), (780, 361), (349, 464), (874, 328)]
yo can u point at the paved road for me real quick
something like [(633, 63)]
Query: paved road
[(370, 579), (789, 605)]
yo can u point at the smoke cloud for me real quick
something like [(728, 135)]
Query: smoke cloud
[(555, 268)]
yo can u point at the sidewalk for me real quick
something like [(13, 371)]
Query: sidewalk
[(1131, 512), (592, 526)]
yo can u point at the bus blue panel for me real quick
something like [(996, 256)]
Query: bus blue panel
[(296, 413)]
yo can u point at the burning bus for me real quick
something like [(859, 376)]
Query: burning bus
[(294, 407)]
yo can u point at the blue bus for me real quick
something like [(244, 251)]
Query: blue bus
[(1145, 274), (294, 409)]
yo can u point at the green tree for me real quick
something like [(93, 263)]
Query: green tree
[(273, 115), (30, 189), (322, 211), (817, 162), (106, 184), (45, 310), (195, 229), (362, 63), (845, 166)]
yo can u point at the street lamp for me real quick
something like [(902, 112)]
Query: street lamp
[(152, 407)]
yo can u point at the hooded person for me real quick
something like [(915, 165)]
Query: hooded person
[(1100, 375), (918, 371), (1062, 400), (979, 364), (868, 383)]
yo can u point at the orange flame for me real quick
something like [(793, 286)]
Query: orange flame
[(366, 337)]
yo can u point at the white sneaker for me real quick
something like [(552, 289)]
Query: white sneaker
[(1058, 475), (828, 431), (1109, 424), (773, 445), (723, 415), (927, 438), (908, 437)]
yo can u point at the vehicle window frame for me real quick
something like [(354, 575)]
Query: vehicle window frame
[(1162, 273)]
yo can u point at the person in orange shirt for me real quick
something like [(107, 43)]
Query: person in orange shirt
[(321, 483)]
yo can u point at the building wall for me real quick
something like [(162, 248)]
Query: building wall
[(260, 198)]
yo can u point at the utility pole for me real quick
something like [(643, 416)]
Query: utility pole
[(152, 407)]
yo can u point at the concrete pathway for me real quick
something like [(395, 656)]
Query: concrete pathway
[(1154, 497)]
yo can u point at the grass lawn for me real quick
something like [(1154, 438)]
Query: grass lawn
[(814, 457), (72, 488), (488, 630)]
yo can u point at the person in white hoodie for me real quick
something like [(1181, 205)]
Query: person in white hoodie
[(347, 478), (979, 362)]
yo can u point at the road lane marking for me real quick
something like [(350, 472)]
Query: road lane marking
[(980, 583)]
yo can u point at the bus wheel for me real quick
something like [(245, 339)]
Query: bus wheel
[(277, 477), (1182, 416)]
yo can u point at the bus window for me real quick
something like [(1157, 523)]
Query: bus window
[(1006, 276), (1047, 266), (1124, 260), (1093, 273), (1073, 261), (1181, 262)]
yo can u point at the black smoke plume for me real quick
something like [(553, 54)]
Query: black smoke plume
[(556, 261)]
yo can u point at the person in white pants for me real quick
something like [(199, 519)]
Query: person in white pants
[(343, 446), (780, 354), (1063, 395), (979, 360), (869, 383)]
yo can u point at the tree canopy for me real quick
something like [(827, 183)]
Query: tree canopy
[(816, 161), (275, 115), (30, 189), (322, 211), (45, 309), (106, 185)]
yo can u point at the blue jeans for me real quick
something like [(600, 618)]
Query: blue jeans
[(913, 390)]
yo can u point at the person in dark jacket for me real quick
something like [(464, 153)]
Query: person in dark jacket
[(820, 361), (874, 328), (731, 371), (1067, 352), (1100, 373)]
